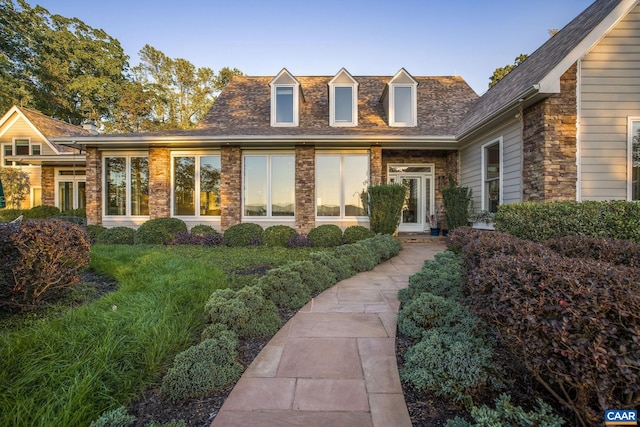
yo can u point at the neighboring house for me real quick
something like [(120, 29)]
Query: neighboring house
[(300, 150), (56, 172)]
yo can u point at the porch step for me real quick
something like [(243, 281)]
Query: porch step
[(419, 238)]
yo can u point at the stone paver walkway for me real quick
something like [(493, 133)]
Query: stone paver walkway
[(333, 363)]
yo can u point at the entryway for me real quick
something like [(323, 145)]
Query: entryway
[(420, 197)]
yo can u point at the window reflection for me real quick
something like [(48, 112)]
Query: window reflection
[(116, 185), (341, 181)]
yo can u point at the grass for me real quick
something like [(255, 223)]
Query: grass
[(68, 369)]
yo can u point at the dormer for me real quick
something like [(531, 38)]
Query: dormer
[(400, 100), (285, 100), (343, 100)]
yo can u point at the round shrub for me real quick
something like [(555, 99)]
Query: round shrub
[(429, 311), (340, 267), (355, 233), (202, 229), (115, 418), (316, 277), (284, 288), (246, 234), (449, 365), (325, 236), (360, 258), (94, 231), (203, 368), (41, 212), (213, 330), (159, 231), (278, 235), (117, 236), (246, 312), (7, 215)]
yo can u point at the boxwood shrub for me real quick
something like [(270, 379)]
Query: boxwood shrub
[(356, 233), (117, 236), (442, 276), (245, 234), (359, 257), (159, 231), (340, 267), (202, 229), (325, 236), (93, 231), (278, 235), (385, 206), (284, 287), (316, 277)]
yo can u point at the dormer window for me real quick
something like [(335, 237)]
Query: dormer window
[(343, 100), (285, 99), (400, 100)]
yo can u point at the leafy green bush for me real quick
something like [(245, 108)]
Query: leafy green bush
[(428, 311), (325, 236), (246, 312), (50, 254), (115, 418), (159, 231), (41, 212), (117, 236), (80, 212), (245, 234), (278, 235), (212, 330), (385, 205), (543, 221), (316, 277), (441, 276), (384, 246), (203, 368), (202, 229), (284, 288), (340, 267), (7, 215), (359, 257), (507, 414), (93, 231), (456, 203), (355, 233), (451, 365)]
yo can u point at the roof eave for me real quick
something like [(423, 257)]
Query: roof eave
[(50, 160)]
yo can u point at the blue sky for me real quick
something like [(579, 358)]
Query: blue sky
[(469, 38)]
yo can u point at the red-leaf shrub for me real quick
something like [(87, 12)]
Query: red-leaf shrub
[(50, 254), (619, 252), (574, 322)]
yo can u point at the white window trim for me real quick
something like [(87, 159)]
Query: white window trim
[(483, 160), (18, 138), (75, 179), (197, 155), (414, 108), (31, 148), (332, 105), (296, 105), (630, 121), (127, 156), (2, 147), (342, 195), (269, 215)]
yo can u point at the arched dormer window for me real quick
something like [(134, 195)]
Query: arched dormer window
[(400, 100), (285, 100), (343, 100)]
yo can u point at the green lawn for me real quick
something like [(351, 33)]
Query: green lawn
[(68, 369)]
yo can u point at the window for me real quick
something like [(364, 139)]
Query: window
[(36, 149), (126, 185), (400, 100), (21, 147), (402, 104), (343, 100), (634, 159), (7, 150), (341, 180), (196, 182), (285, 99), (492, 176), (269, 185), (70, 189)]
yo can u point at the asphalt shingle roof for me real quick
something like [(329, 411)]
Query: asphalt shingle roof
[(52, 128)]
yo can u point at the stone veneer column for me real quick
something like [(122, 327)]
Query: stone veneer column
[(549, 145), (305, 188), (375, 165), (159, 182), (48, 185), (230, 186), (94, 187)]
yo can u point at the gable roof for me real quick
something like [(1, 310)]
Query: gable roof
[(541, 71), (243, 108)]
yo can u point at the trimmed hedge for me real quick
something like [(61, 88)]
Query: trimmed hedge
[(245, 234), (340, 267), (355, 233), (618, 252), (159, 231), (441, 276), (316, 277), (284, 288), (325, 236), (360, 257), (278, 235), (117, 236), (385, 206), (94, 231), (542, 221), (202, 229)]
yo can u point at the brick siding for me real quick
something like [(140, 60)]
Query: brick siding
[(94, 187), (305, 188), (48, 184), (230, 186)]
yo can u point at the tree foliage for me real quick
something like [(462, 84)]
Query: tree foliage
[(501, 72), (15, 183)]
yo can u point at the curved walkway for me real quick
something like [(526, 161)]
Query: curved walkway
[(333, 363)]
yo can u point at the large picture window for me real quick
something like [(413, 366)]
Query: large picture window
[(492, 176), (126, 185), (341, 180), (269, 185), (196, 185)]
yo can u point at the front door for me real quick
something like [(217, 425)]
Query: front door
[(417, 179)]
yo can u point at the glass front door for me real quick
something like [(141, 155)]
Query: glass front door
[(411, 209), (417, 206)]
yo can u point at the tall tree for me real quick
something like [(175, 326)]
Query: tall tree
[(500, 73)]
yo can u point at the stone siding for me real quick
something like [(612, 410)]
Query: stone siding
[(48, 185), (230, 186), (549, 145), (305, 188), (94, 187), (159, 182), (375, 168)]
